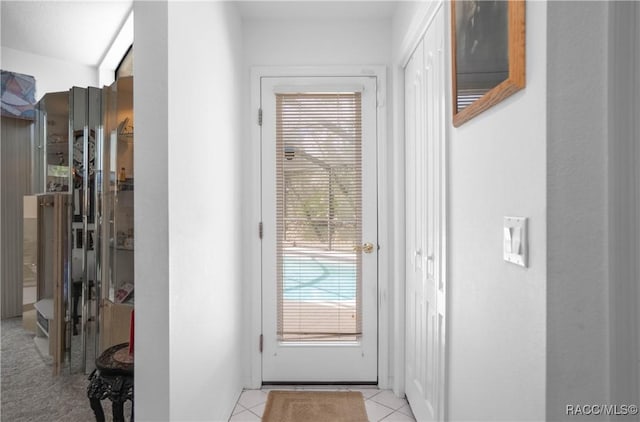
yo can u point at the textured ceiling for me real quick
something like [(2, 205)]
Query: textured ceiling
[(317, 9), (80, 31)]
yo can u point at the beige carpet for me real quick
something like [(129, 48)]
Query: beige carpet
[(315, 406), (29, 320)]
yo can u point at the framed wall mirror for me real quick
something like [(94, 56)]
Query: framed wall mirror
[(488, 54)]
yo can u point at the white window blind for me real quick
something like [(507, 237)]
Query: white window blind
[(319, 210)]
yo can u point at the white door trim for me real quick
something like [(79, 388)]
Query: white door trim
[(252, 209)]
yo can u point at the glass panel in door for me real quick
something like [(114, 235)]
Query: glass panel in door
[(116, 234), (319, 208)]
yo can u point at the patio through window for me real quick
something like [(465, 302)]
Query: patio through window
[(319, 213)]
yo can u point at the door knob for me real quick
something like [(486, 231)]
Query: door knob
[(366, 248)]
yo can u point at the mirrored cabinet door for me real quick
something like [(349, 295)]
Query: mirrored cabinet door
[(84, 147), (85, 106), (51, 158), (117, 229)]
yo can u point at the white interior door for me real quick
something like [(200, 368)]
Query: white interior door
[(425, 288), (319, 214)]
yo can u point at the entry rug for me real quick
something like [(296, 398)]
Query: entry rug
[(315, 406)]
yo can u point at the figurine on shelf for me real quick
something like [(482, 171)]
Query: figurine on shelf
[(124, 292)]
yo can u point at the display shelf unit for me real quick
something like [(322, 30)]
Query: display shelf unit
[(84, 151), (118, 211), (52, 130), (117, 319), (52, 275), (44, 320)]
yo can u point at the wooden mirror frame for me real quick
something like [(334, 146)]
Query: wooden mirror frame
[(516, 79)]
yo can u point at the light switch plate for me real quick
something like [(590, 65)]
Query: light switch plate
[(515, 240)]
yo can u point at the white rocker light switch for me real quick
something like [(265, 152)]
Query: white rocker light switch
[(515, 240)]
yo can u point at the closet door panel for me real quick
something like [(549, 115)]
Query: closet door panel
[(425, 300)]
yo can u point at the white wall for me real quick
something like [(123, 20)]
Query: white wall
[(578, 291), (316, 42), (593, 206), (205, 123), (151, 213), (52, 75), (408, 26), (188, 137), (300, 42), (497, 311)]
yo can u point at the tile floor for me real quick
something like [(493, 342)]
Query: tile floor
[(381, 405)]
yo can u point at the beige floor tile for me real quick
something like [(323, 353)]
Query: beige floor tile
[(389, 399), (259, 409), (406, 409), (238, 409), (398, 417), (367, 393), (375, 411), (244, 416), (250, 398)]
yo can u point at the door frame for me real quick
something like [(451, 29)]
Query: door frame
[(252, 211)]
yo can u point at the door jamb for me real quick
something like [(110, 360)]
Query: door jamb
[(253, 268)]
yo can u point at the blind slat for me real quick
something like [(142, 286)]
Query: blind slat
[(318, 211)]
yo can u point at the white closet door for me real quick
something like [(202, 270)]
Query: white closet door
[(425, 290)]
